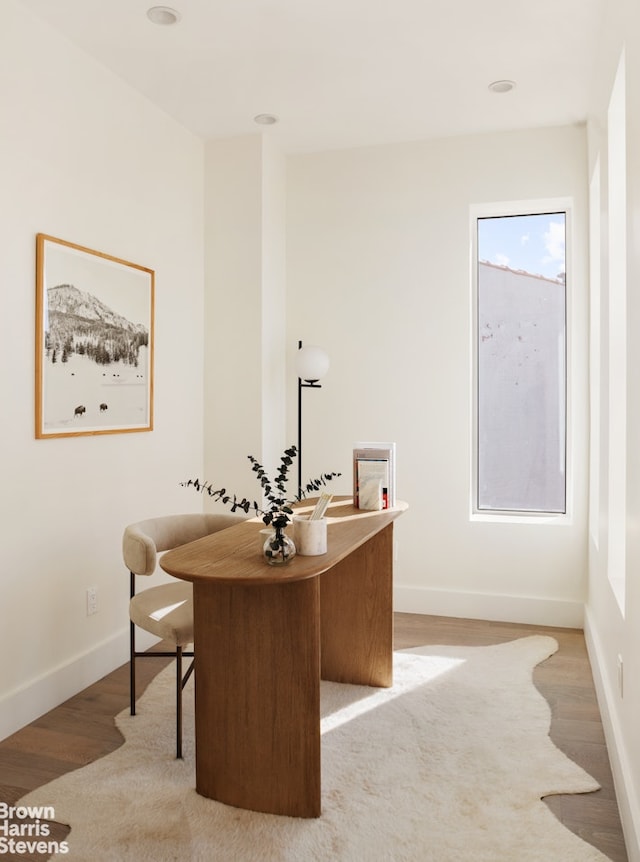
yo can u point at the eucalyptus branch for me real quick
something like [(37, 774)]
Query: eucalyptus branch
[(278, 512)]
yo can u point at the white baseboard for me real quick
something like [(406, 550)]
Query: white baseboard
[(487, 606), (37, 696), (628, 802)]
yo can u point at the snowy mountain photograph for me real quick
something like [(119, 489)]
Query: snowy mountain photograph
[(95, 342)]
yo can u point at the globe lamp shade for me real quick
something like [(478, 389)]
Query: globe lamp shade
[(312, 363)]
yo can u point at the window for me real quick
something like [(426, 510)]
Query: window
[(521, 363)]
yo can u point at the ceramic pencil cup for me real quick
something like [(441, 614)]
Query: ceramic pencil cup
[(310, 537)]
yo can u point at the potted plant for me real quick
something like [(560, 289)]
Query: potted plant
[(276, 510)]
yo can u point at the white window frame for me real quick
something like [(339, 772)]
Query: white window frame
[(538, 206)]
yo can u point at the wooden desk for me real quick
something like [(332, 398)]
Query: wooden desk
[(265, 635)]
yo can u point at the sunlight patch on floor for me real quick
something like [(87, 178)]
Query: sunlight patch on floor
[(410, 672)]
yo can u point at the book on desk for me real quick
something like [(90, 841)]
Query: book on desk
[(374, 475)]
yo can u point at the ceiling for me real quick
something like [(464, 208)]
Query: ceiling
[(344, 73)]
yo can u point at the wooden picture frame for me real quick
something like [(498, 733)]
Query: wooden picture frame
[(94, 342)]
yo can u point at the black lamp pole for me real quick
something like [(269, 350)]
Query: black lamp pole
[(306, 384)]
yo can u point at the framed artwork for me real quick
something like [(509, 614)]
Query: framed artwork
[(94, 342)]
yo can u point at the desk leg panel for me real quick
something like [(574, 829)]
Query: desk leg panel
[(356, 598), (257, 681)]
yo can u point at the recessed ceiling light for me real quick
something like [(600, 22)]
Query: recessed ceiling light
[(265, 119), (502, 86), (163, 15)]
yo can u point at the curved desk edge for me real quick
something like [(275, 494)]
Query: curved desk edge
[(233, 556)]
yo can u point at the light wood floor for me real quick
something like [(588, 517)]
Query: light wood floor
[(82, 729)]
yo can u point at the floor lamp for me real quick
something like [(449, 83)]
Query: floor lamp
[(312, 363)]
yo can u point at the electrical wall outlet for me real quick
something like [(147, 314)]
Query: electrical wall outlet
[(620, 676), (92, 601)]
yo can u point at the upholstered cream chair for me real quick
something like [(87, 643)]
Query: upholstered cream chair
[(165, 610)]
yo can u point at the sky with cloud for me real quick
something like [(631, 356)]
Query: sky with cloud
[(533, 243)]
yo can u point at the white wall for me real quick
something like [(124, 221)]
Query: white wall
[(245, 311), (378, 267), (613, 626), (84, 158)]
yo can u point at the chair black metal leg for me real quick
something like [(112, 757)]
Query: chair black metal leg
[(185, 678), (179, 702), (132, 651), (132, 668)]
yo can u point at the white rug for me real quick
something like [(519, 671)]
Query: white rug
[(448, 765)]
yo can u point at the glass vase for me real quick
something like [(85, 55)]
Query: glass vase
[(279, 548)]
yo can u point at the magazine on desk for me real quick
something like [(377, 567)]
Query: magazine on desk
[(374, 475)]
